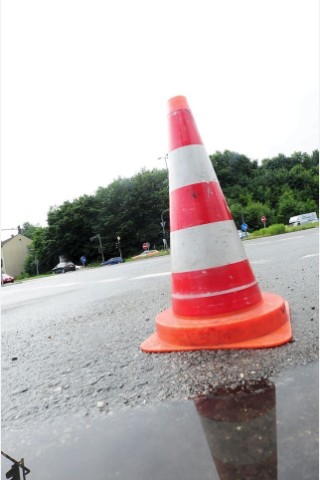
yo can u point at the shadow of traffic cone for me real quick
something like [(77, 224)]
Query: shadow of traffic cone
[(216, 300), (241, 431)]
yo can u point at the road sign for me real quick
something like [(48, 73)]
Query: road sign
[(146, 246), (244, 227), (263, 219), (83, 259)]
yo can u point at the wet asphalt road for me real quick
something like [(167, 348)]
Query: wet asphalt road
[(70, 343)]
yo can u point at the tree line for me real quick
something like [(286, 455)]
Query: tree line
[(133, 208)]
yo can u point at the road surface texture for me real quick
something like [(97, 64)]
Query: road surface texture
[(70, 343)]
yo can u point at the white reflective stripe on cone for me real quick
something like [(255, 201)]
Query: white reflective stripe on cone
[(189, 165), (206, 246)]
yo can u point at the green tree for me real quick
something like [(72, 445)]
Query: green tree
[(253, 213), (131, 208), (28, 229), (70, 227), (288, 206), (236, 173), (38, 253)]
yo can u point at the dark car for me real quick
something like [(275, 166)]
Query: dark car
[(7, 278), (64, 267), (113, 261)]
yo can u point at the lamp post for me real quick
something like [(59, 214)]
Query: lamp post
[(119, 246), (165, 158), (163, 229)]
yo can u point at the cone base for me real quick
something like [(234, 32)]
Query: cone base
[(263, 326)]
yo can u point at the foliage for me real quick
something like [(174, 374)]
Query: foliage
[(28, 229), (305, 226), (70, 228), (131, 208), (278, 228)]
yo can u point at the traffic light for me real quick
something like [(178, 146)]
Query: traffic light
[(14, 472)]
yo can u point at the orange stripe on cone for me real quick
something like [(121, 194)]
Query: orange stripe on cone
[(216, 300)]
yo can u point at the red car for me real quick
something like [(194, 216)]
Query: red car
[(5, 278)]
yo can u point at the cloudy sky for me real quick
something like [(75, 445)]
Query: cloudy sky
[(85, 85)]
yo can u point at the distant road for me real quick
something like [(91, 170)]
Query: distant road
[(72, 340)]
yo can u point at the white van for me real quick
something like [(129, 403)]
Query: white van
[(303, 218)]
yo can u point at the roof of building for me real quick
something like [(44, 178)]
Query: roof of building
[(12, 237)]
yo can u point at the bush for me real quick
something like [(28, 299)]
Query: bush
[(22, 276), (275, 229)]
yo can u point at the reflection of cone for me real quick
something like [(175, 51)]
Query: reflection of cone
[(216, 301), (241, 432)]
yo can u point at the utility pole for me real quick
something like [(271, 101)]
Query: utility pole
[(98, 236)]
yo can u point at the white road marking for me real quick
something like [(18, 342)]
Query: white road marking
[(260, 262), (108, 280), (48, 287), (152, 275), (247, 244), (310, 255), (252, 244), (290, 238)]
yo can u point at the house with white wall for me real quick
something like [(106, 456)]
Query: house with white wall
[(14, 252)]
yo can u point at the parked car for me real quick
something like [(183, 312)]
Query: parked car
[(146, 253), (64, 267), (112, 261), (7, 278)]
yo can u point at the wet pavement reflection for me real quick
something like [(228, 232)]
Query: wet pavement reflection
[(264, 430), (240, 427)]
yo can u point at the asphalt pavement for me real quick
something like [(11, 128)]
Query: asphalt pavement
[(70, 343)]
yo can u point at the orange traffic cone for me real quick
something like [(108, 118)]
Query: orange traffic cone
[(216, 300)]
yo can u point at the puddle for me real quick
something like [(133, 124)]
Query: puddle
[(263, 430)]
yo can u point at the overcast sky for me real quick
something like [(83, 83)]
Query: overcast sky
[(85, 85)]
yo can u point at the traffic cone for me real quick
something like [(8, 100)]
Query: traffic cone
[(216, 300)]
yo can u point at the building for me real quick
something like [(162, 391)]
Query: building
[(14, 252)]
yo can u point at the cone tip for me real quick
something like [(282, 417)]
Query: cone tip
[(177, 103)]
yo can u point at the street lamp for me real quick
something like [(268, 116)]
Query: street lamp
[(119, 246), (163, 230), (36, 262), (165, 158)]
